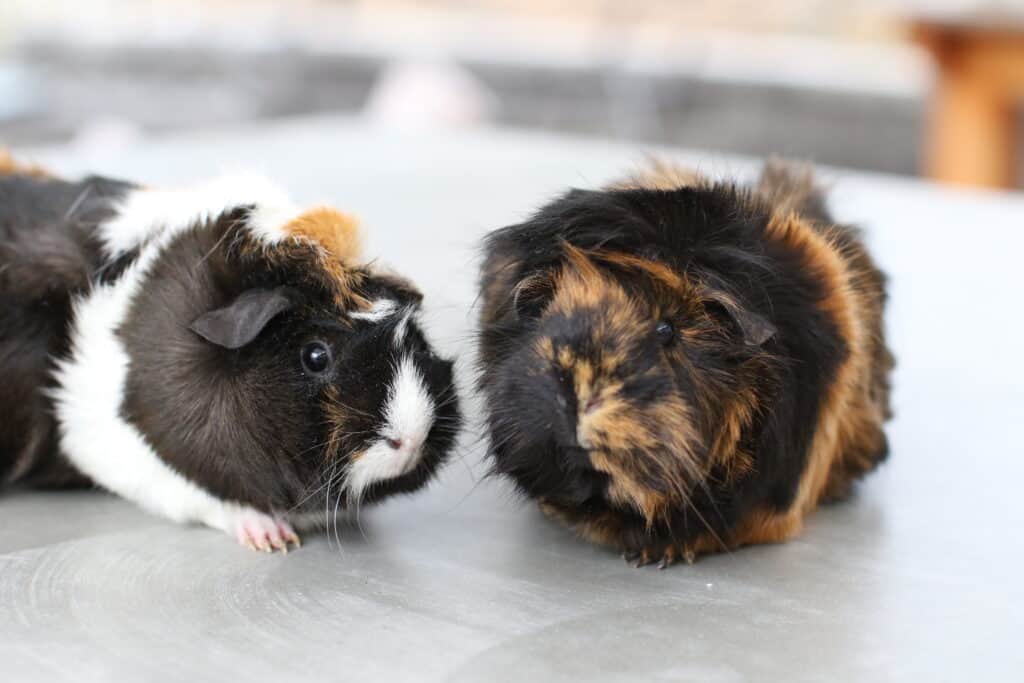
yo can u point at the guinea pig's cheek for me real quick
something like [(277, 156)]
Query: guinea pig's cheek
[(675, 436)]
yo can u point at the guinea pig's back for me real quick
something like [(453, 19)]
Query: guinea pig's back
[(47, 254), (792, 187)]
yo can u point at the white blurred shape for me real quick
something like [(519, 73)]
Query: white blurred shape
[(422, 95), (105, 137), (19, 91)]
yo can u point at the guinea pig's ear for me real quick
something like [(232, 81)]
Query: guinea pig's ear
[(238, 323), (755, 328), (531, 295), (399, 288)]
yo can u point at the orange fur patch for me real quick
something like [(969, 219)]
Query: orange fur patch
[(654, 269), (328, 245), (634, 447), (8, 166), (737, 416), (659, 175), (333, 230)]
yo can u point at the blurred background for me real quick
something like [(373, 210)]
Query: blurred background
[(899, 86)]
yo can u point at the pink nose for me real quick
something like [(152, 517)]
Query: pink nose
[(592, 404), (394, 443)]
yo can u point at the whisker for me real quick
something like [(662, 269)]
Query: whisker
[(707, 526)]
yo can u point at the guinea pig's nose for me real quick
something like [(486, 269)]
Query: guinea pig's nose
[(593, 403), (409, 443)]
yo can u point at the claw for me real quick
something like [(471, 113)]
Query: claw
[(668, 559), (646, 558), (291, 537), (258, 531), (689, 555)]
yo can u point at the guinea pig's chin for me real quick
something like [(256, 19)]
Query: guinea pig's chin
[(581, 486), (380, 462), (560, 474)]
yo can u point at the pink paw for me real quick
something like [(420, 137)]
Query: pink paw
[(258, 531)]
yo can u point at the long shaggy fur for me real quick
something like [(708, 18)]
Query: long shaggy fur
[(674, 366)]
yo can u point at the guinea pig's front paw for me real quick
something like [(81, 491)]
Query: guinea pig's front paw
[(665, 554), (259, 531)]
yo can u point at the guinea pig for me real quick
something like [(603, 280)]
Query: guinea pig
[(674, 366), (213, 354)]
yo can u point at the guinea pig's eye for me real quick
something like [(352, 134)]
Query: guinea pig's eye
[(665, 332), (316, 357)]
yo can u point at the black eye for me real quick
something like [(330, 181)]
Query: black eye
[(665, 332), (316, 357)]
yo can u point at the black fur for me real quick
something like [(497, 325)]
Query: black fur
[(248, 424), (48, 254), (711, 234)]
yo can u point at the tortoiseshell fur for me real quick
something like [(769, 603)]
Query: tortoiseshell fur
[(674, 366)]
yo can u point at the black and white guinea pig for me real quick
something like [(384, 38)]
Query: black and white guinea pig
[(213, 354), (675, 366)]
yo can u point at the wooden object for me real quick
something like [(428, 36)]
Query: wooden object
[(972, 136)]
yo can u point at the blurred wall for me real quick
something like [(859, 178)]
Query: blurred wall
[(836, 83)]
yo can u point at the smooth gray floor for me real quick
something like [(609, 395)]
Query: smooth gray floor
[(917, 578)]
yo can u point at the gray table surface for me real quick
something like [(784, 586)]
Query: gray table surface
[(917, 578)]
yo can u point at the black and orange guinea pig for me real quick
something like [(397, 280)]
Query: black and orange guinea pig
[(213, 354), (675, 366)]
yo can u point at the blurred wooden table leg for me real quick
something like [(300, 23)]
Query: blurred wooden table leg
[(972, 135)]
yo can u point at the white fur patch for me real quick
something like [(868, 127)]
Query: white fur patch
[(146, 213), (91, 380), (381, 309), (409, 415), (95, 437), (402, 328), (410, 409)]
